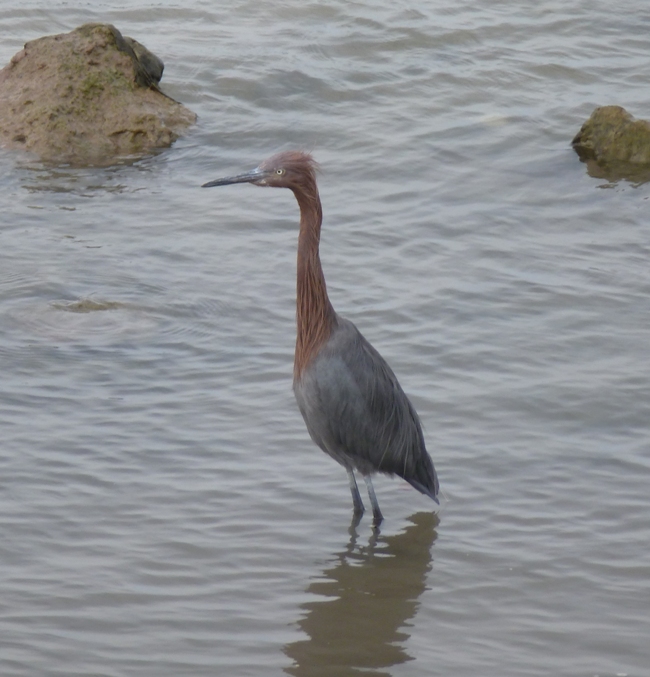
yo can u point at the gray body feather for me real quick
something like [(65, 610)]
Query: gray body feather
[(356, 411)]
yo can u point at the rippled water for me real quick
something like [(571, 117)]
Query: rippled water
[(162, 509)]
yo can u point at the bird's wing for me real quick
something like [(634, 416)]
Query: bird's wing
[(355, 408)]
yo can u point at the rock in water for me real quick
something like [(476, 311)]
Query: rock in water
[(613, 138), (88, 97)]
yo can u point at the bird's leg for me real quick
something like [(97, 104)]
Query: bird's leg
[(356, 496), (378, 518)]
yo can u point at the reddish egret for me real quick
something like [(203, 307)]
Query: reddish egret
[(352, 403)]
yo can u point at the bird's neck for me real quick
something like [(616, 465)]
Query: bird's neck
[(314, 313)]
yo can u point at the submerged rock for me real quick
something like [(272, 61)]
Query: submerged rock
[(90, 96), (615, 142), (87, 306)]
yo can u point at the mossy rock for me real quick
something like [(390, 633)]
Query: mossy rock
[(88, 97), (614, 144)]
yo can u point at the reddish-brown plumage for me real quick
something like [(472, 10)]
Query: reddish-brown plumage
[(315, 316)]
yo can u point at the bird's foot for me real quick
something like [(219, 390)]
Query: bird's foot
[(356, 520)]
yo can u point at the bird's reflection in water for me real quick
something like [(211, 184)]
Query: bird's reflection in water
[(369, 594)]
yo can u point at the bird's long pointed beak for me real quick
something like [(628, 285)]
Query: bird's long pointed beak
[(254, 176)]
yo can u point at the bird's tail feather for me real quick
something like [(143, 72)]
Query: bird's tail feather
[(431, 493), (425, 479)]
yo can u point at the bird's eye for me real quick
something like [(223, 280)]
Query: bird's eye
[(279, 172)]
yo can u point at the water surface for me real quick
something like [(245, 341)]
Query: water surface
[(162, 509)]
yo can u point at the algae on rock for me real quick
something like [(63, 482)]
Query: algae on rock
[(614, 145), (90, 96)]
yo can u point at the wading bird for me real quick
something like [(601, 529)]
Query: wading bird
[(352, 403)]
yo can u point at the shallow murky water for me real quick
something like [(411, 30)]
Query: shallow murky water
[(162, 509)]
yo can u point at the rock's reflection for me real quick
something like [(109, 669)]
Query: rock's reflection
[(368, 596), (637, 175)]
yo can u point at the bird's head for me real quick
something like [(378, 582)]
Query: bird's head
[(290, 169)]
